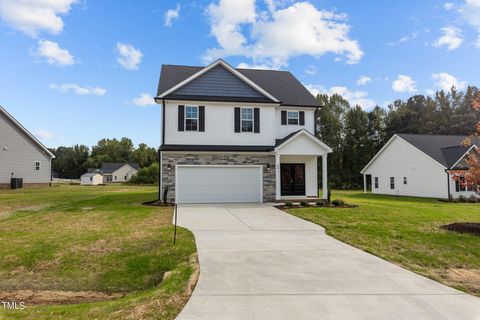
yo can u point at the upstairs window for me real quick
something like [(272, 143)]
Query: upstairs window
[(191, 118), (37, 165), (292, 117), (392, 183), (376, 182), (246, 119)]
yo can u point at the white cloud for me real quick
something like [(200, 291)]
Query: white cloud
[(354, 97), (446, 81), (45, 134), (144, 100), (77, 89), (452, 38), (311, 70), (404, 39), (470, 12), (363, 81), (276, 36), (128, 56), (261, 66), (171, 15), (55, 55), (448, 6), (404, 84), (34, 16)]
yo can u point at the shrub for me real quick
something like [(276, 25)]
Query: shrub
[(304, 204), (462, 198), (288, 204), (473, 199), (147, 175), (320, 203), (338, 202)]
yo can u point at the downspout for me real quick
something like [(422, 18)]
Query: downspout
[(448, 184)]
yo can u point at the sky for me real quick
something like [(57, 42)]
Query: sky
[(76, 71)]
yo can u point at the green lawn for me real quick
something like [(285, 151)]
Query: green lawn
[(406, 231), (99, 239)]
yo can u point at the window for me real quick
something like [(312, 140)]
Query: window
[(392, 183), (246, 119), (91, 178), (115, 178), (376, 182), (109, 178), (462, 185), (292, 117), (37, 165), (125, 178), (405, 180), (191, 118)]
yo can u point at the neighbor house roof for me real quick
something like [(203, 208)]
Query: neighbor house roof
[(447, 150), (110, 167), (25, 131), (280, 84)]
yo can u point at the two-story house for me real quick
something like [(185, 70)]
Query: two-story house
[(237, 135)]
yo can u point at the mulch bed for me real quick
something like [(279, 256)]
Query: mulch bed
[(296, 206), (463, 227)]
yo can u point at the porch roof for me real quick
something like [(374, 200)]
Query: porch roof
[(301, 142)]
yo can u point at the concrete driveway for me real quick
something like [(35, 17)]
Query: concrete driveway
[(257, 262)]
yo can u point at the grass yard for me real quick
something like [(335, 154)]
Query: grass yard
[(406, 231), (83, 244)]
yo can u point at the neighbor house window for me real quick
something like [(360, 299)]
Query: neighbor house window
[(109, 178), (392, 183), (191, 118), (246, 119), (91, 178), (115, 178), (405, 180), (125, 178), (292, 117), (462, 185), (37, 165), (376, 182)]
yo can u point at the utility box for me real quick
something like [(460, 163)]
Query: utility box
[(16, 183)]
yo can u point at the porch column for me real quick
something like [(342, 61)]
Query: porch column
[(324, 178), (364, 183), (277, 177)]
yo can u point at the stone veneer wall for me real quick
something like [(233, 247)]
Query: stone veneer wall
[(172, 159)]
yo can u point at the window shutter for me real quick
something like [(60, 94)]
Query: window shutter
[(256, 120), (237, 119), (181, 118), (301, 116), (201, 118), (284, 118)]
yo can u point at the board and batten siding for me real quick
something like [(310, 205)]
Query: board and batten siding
[(284, 130), (425, 176), (220, 125), (218, 82), (18, 154)]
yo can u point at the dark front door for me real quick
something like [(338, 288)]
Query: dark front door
[(292, 179)]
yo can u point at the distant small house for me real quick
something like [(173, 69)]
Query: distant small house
[(92, 178), (117, 172)]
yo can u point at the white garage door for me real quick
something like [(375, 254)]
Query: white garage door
[(218, 184)]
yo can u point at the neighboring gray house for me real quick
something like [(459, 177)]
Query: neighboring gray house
[(421, 165), (238, 135), (22, 155), (117, 172)]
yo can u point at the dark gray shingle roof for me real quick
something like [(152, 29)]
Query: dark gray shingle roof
[(445, 149), (281, 84), (110, 167)]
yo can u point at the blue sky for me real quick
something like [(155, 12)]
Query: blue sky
[(77, 71)]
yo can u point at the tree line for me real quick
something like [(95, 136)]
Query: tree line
[(72, 162), (356, 135)]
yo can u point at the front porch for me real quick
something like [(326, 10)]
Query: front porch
[(296, 168)]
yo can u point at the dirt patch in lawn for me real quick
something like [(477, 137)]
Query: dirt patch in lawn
[(31, 297), (463, 227)]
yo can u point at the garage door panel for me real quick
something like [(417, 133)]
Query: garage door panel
[(218, 184)]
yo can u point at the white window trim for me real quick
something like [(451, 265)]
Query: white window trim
[(252, 120), (197, 118), (39, 165), (297, 118)]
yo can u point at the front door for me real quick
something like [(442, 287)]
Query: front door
[(292, 179)]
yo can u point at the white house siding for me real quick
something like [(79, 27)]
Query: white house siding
[(125, 171), (311, 173), (425, 176), (284, 130), (18, 154)]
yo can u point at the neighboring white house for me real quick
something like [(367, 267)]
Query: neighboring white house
[(91, 178), (22, 155), (420, 165), (117, 172), (237, 135)]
